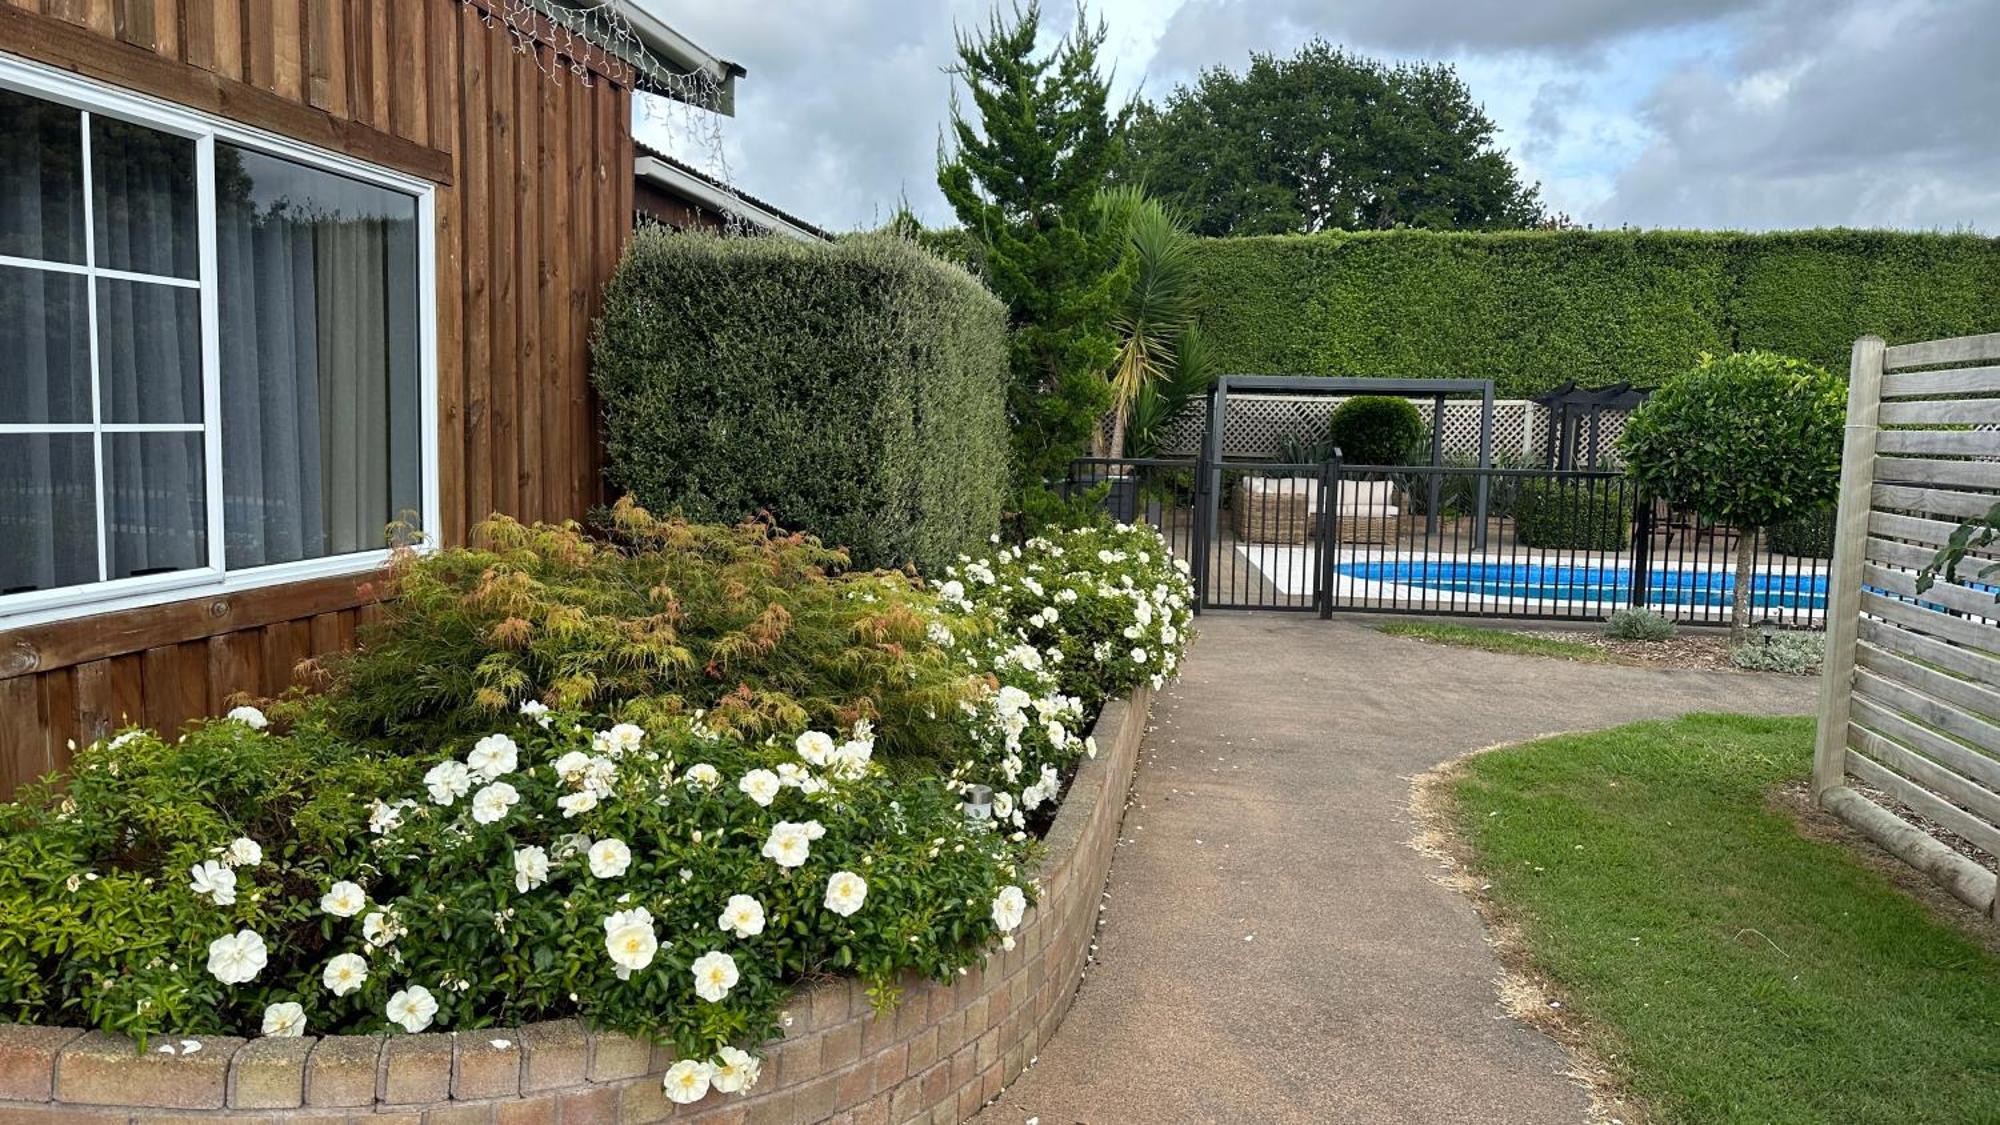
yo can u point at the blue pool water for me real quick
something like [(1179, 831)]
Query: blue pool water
[(1584, 582)]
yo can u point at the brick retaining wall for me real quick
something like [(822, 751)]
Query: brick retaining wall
[(942, 1053)]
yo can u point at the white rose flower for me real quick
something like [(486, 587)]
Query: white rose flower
[(620, 740), (571, 765), (380, 927), (850, 759), (412, 1009), (384, 817), (249, 717), (538, 711), (345, 973), (492, 802), (243, 852), (1058, 737), (214, 880), (1138, 656), (845, 892), (531, 868), (687, 1081), (493, 756), (236, 958), (1008, 907), (448, 781), (575, 804), (735, 1071), (1003, 805), (760, 786), (285, 1020), (609, 858), (629, 939), (814, 746), (1169, 634), (742, 916), (702, 774), (344, 899), (788, 844), (714, 975)]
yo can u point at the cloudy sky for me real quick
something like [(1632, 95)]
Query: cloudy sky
[(1750, 114)]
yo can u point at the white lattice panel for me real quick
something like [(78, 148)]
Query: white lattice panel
[(1257, 424)]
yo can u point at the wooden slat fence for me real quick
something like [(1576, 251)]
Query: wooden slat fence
[(1909, 715)]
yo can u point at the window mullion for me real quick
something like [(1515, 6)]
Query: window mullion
[(211, 345), (101, 501)]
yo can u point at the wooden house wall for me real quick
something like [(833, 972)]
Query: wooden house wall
[(533, 163)]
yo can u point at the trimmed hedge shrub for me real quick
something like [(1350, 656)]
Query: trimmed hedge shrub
[(1532, 309), (1570, 516), (1375, 430), (855, 390), (1808, 537)]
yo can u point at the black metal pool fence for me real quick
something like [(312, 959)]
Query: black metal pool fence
[(1441, 539)]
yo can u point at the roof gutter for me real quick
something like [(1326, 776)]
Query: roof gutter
[(665, 175), (683, 53)]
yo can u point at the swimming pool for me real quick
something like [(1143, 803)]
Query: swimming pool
[(1607, 583)]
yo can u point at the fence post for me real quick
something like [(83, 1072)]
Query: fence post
[(1642, 545), (1328, 531), (1843, 580)]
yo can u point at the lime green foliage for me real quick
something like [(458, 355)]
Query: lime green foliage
[(649, 729), (1728, 968), (1326, 139), (1635, 624), (1493, 640), (1808, 535), (1793, 653), (1581, 515), (852, 389), (1022, 172), (1534, 309), (762, 630), (1106, 606), (1376, 430)]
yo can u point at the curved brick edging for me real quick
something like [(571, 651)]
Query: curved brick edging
[(940, 1055)]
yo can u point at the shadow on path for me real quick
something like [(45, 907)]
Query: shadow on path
[(1273, 950)]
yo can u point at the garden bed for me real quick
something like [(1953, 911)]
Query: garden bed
[(944, 1048)]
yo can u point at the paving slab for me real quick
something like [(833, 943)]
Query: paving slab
[(1273, 950)]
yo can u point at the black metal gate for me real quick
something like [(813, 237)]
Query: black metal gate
[(1446, 540)]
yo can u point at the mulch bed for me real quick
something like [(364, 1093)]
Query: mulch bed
[(1707, 652)]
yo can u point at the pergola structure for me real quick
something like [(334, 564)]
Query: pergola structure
[(1576, 420), (1437, 390)]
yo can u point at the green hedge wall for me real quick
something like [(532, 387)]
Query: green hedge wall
[(1533, 309), (854, 389)]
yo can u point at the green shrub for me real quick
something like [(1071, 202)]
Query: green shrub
[(1793, 653), (1635, 624), (509, 861), (855, 389), (1375, 430), (1532, 309), (1583, 515), (1809, 536)]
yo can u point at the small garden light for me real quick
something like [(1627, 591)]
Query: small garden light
[(1766, 629), (978, 805)]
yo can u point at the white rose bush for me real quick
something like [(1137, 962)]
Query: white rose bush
[(651, 788)]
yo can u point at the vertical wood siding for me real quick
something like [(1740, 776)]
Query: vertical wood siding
[(535, 198)]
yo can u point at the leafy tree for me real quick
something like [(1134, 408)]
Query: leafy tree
[(1023, 173), (1328, 140), (1748, 440), (1159, 305)]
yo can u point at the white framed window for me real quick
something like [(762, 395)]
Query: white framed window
[(217, 353)]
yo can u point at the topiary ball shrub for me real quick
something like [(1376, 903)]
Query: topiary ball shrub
[(1793, 653), (1635, 624), (1571, 515), (1809, 536), (1376, 430)]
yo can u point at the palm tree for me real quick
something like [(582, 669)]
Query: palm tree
[(1159, 307)]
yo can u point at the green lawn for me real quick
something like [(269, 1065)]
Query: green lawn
[(1493, 640), (1733, 970)]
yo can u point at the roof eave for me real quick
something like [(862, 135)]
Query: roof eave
[(684, 54), (665, 175)]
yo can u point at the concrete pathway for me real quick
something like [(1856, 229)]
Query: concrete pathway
[(1273, 950)]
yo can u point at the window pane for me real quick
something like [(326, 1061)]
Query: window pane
[(148, 351), (142, 193), (318, 277), (44, 346), (48, 513), (41, 179), (156, 515)]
